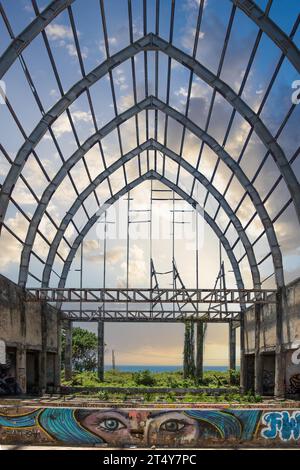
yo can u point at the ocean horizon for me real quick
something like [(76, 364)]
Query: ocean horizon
[(161, 368)]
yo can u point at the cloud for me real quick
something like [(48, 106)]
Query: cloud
[(72, 51), (57, 31), (63, 36), (10, 248), (62, 124), (138, 268), (112, 41)]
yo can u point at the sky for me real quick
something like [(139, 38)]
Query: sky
[(151, 344)]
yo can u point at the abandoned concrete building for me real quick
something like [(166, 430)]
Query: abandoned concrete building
[(190, 104)]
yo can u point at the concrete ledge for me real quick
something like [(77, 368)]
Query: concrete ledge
[(133, 390)]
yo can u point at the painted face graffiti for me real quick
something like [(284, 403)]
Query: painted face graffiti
[(146, 428), (140, 427), (114, 427), (171, 428)]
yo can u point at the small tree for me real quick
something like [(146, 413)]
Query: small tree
[(84, 349)]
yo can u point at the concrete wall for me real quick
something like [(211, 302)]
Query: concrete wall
[(291, 322), (30, 332), (291, 337), (177, 427)]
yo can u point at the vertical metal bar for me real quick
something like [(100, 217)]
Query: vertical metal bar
[(128, 246), (81, 268), (173, 246)]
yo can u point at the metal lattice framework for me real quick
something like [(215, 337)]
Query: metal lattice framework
[(166, 316), (155, 47)]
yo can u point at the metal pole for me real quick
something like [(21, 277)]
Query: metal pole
[(128, 243), (81, 268), (173, 246), (151, 248), (200, 327), (101, 323), (113, 360), (258, 365), (68, 350)]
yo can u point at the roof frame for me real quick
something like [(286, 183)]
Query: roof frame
[(151, 144), (57, 6), (153, 103), (151, 42), (150, 175), (271, 29)]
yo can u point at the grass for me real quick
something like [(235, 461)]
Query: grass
[(147, 379)]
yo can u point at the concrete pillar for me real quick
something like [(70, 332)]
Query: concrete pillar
[(43, 353), (21, 368), (68, 351), (243, 380), (232, 347), (232, 351), (258, 363), (57, 371), (21, 350), (281, 304), (199, 350), (101, 350)]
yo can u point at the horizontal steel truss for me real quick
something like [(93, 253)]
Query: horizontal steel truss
[(151, 42), (143, 295), (150, 316)]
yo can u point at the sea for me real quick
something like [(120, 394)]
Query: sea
[(137, 368)]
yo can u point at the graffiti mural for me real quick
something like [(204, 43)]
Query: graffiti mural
[(129, 427), (147, 428), (8, 384), (284, 424), (295, 384)]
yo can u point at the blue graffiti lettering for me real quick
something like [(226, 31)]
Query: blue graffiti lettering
[(282, 424)]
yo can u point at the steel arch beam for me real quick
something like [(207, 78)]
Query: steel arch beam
[(20, 43), (154, 103), (271, 29), (150, 42), (148, 145), (151, 175)]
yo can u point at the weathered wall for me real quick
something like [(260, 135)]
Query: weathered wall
[(27, 327), (150, 427), (291, 337), (291, 322)]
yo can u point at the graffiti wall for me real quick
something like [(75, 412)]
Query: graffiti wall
[(147, 428), (293, 373), (8, 383)]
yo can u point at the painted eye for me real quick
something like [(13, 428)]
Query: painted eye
[(173, 425), (111, 425)]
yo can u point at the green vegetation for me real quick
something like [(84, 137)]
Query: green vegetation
[(84, 350), (147, 379)]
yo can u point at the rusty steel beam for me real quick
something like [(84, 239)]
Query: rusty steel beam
[(146, 295)]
